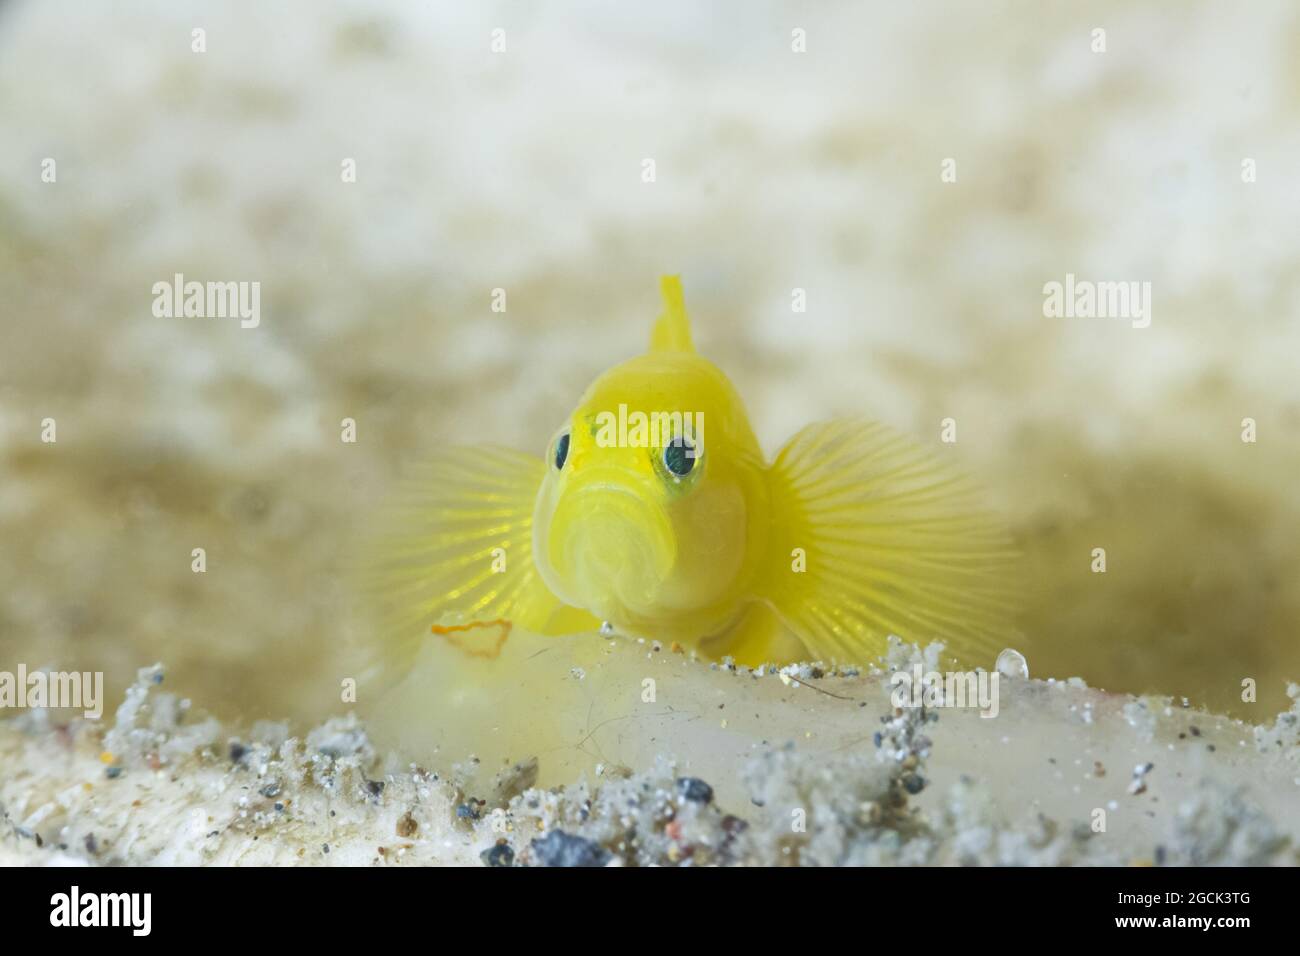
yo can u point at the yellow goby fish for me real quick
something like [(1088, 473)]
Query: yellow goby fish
[(655, 511)]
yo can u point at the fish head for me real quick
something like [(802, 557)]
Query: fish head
[(653, 497)]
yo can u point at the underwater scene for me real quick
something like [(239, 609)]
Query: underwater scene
[(500, 434)]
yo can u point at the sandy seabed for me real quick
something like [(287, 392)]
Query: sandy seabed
[(792, 766)]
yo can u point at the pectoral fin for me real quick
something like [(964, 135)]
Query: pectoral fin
[(875, 535), (456, 548)]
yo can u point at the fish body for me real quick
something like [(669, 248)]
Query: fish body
[(655, 510)]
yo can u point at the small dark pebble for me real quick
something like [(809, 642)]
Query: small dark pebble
[(92, 845), (465, 812), (270, 790), (376, 787), (1161, 854), (1196, 731), (499, 854), (114, 772), (237, 752), (913, 783), (732, 825), (558, 848), (325, 847), (279, 808), (694, 789), (876, 738)]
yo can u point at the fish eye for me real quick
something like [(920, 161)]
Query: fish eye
[(561, 451), (679, 457)]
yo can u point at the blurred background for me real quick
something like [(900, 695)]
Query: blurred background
[(522, 170)]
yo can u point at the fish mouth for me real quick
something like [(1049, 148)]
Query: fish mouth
[(614, 547)]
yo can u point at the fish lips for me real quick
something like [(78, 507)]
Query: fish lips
[(612, 546)]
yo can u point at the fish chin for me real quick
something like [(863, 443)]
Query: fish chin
[(614, 551)]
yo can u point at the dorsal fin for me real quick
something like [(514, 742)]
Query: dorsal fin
[(672, 331)]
